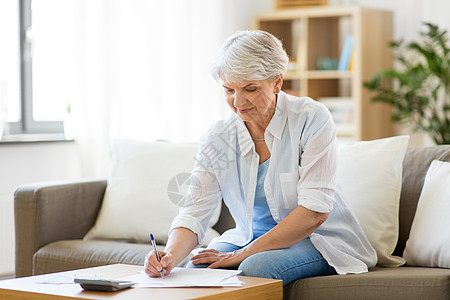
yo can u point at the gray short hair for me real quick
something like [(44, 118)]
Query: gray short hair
[(250, 55)]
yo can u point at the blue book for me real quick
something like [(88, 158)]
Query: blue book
[(346, 53)]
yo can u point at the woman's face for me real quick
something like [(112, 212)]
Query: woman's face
[(253, 101)]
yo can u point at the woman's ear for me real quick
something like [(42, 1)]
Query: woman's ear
[(278, 83)]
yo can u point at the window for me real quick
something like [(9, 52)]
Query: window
[(9, 62), (36, 83)]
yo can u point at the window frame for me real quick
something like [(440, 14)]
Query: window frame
[(26, 124)]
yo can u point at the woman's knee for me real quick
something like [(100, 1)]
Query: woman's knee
[(257, 266)]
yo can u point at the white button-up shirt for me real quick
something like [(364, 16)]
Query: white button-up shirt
[(301, 138)]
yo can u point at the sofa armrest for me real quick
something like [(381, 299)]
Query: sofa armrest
[(49, 212)]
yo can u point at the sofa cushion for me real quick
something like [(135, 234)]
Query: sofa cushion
[(78, 254), (380, 283), (415, 166), (146, 184), (369, 178), (429, 240)]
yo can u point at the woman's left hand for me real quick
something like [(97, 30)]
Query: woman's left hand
[(218, 259)]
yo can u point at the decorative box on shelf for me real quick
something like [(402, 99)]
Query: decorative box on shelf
[(281, 4)]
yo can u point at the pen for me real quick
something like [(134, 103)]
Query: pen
[(157, 254)]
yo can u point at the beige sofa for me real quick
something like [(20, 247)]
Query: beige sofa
[(51, 220)]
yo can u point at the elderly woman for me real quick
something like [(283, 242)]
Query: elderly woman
[(273, 162)]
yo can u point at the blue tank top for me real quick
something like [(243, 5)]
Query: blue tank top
[(262, 218)]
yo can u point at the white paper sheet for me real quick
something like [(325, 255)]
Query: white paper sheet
[(186, 277)]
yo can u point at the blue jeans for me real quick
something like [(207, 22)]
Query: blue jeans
[(298, 261)]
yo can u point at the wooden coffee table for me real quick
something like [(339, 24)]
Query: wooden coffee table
[(30, 288)]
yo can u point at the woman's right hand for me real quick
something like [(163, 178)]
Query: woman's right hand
[(152, 266), (180, 243)]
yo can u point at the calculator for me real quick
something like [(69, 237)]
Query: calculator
[(103, 284)]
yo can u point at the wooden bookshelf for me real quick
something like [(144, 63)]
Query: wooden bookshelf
[(310, 34)]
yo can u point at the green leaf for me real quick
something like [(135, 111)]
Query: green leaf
[(395, 44)]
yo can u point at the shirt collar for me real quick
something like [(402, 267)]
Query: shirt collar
[(244, 138), (278, 122)]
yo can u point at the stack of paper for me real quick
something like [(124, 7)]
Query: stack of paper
[(188, 277)]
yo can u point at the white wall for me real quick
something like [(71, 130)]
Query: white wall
[(409, 14), (27, 163)]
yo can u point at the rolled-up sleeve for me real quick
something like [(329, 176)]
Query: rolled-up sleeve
[(318, 164), (202, 198)]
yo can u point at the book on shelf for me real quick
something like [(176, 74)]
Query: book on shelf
[(341, 109), (350, 63), (346, 53)]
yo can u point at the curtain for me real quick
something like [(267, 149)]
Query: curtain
[(160, 56), (143, 73)]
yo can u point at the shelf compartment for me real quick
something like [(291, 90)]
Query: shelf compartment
[(286, 31)]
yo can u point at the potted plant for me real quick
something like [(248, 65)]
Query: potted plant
[(419, 88)]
